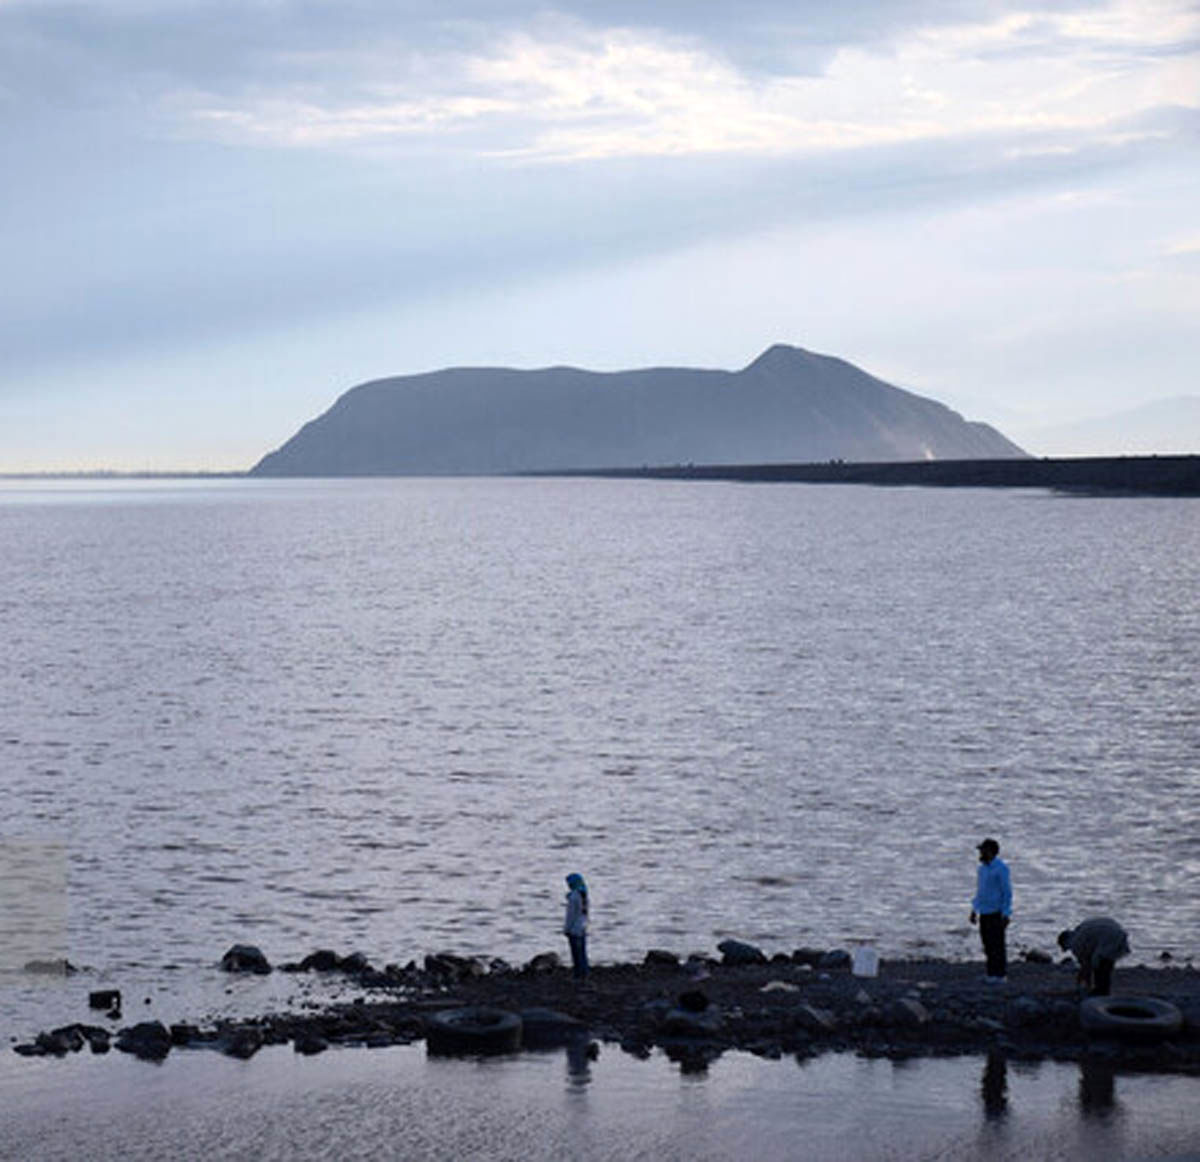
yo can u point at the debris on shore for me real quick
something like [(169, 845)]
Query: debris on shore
[(696, 1008)]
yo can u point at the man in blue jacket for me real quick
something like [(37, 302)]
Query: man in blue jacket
[(992, 907)]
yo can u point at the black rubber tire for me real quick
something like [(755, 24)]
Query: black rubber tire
[(473, 1030), (1136, 1018)]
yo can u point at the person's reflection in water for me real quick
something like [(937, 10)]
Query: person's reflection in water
[(580, 1055), (994, 1086), (1097, 1085)]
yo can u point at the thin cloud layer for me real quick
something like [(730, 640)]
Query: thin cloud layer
[(572, 84), (559, 88)]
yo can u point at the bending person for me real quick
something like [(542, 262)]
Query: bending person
[(1097, 944)]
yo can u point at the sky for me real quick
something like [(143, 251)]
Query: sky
[(218, 215)]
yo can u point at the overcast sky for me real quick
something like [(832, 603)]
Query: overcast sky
[(217, 216)]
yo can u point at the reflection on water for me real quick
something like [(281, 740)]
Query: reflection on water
[(364, 1103), (1096, 1095), (1097, 1089), (579, 1054), (994, 1086)]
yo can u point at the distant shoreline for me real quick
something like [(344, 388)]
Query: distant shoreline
[(114, 474), (1173, 475), (1108, 475)]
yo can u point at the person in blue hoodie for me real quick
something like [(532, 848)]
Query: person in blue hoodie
[(992, 907), (575, 924)]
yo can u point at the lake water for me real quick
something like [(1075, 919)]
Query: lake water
[(398, 1103), (390, 715)]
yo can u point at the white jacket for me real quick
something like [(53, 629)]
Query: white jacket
[(575, 923)]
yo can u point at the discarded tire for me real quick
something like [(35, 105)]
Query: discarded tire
[(473, 1030), (1136, 1018)]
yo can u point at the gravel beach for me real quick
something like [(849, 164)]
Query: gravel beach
[(801, 1004)]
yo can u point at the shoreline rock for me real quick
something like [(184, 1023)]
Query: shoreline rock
[(695, 1010)]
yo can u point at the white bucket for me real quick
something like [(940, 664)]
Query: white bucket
[(866, 962)]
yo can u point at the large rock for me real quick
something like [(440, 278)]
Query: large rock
[(149, 1040), (243, 1042), (355, 963), (544, 962), (309, 1043), (739, 952), (451, 967), (60, 1041), (245, 958), (98, 1039)]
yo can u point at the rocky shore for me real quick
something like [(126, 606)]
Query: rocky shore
[(798, 1004), (1097, 475)]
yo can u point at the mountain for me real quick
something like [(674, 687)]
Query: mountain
[(1165, 427), (788, 406)]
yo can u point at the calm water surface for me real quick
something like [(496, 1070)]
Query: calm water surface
[(390, 715), (397, 1103)]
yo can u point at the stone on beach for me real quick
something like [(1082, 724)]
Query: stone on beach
[(452, 967), (908, 1011), (739, 952), (150, 1040), (767, 1008), (309, 1044), (243, 1042), (245, 958)]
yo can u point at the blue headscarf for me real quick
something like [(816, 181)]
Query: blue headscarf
[(575, 882)]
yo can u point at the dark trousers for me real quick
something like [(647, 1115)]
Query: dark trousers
[(1102, 977), (992, 928), (579, 963)]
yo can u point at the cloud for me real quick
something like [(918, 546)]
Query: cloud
[(1183, 247), (599, 79), (565, 89), (182, 173)]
